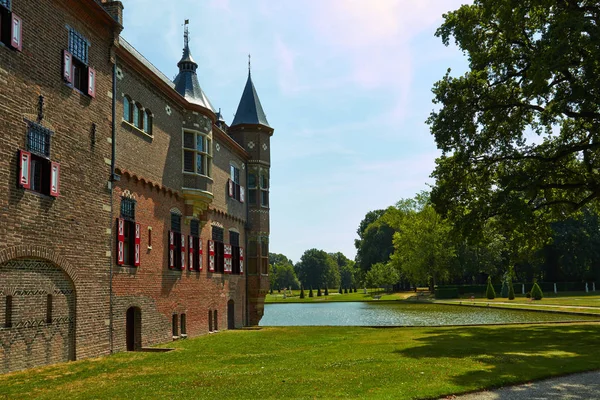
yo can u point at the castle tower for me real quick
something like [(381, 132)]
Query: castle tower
[(252, 131)]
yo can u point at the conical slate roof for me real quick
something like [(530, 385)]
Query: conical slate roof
[(186, 82), (250, 110)]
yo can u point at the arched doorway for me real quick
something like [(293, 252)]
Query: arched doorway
[(230, 314), (38, 298), (134, 329)]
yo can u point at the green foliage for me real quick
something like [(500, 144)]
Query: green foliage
[(382, 275), (283, 276), (533, 70), (374, 244), (301, 291), (423, 245), (446, 293), (504, 291), (536, 292), (511, 290), (318, 269), (490, 293), (340, 291), (326, 291), (310, 293), (346, 290), (319, 292)]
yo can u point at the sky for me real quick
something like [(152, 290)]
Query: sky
[(346, 84)]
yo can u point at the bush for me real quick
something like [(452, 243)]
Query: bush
[(319, 292), (301, 292), (341, 291), (354, 289), (504, 290), (446, 293), (326, 291), (528, 295), (310, 293), (490, 293), (511, 290), (536, 292), (346, 290)]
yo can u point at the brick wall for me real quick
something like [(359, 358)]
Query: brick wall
[(70, 229)]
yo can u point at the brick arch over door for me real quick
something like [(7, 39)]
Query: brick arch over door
[(43, 297)]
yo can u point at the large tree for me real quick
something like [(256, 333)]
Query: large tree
[(423, 243), (374, 244), (317, 269), (534, 73)]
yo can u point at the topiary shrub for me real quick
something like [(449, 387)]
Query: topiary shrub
[(271, 290), (326, 291), (319, 292), (446, 293), (528, 295), (341, 291), (354, 289), (490, 293), (301, 291), (310, 293), (511, 290), (346, 290), (504, 290), (536, 292)]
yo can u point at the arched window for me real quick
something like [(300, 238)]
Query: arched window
[(136, 115), (127, 109), (148, 122)]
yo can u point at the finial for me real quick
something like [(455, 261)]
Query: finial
[(186, 33), (249, 64)]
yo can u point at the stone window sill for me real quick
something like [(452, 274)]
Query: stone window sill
[(135, 128)]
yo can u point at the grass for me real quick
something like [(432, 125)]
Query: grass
[(335, 296), (323, 362), (565, 302)]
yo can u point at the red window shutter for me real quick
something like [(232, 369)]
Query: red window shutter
[(92, 82), (120, 241), (182, 237), (16, 32), (171, 249), (24, 169), (241, 261), (211, 256), (138, 242), (228, 261), (200, 254), (68, 66), (191, 252), (54, 179), (242, 194), (230, 188)]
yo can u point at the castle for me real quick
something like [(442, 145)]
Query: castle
[(131, 214)]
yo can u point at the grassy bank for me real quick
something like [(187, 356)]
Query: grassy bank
[(323, 362), (335, 296)]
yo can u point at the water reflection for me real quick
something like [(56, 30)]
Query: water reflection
[(395, 314)]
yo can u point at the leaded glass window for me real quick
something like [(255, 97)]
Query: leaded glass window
[(38, 139), (217, 234), (6, 3), (175, 222), (128, 209), (78, 46)]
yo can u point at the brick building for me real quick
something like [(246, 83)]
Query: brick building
[(131, 213)]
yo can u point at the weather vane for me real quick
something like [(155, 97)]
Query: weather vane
[(249, 65), (186, 33)]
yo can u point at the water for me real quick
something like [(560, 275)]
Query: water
[(394, 314)]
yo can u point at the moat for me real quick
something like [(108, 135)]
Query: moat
[(400, 314)]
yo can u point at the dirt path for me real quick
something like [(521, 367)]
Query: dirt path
[(572, 387)]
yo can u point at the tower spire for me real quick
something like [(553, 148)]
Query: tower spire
[(249, 64)]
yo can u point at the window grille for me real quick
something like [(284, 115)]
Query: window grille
[(195, 228), (234, 239), (217, 234), (78, 46), (128, 209), (6, 3), (175, 222), (38, 139)]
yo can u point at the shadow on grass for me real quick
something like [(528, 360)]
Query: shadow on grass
[(512, 354)]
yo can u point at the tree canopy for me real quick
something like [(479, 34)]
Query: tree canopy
[(317, 269), (374, 244), (519, 131)]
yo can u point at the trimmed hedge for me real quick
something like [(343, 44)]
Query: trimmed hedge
[(446, 293), (518, 287)]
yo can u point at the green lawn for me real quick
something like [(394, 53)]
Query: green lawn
[(323, 362)]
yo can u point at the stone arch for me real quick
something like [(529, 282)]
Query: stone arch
[(45, 272)]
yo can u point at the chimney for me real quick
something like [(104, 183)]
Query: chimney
[(115, 9)]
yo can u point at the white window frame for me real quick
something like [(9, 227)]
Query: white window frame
[(207, 153)]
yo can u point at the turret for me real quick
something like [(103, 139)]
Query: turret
[(252, 131)]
